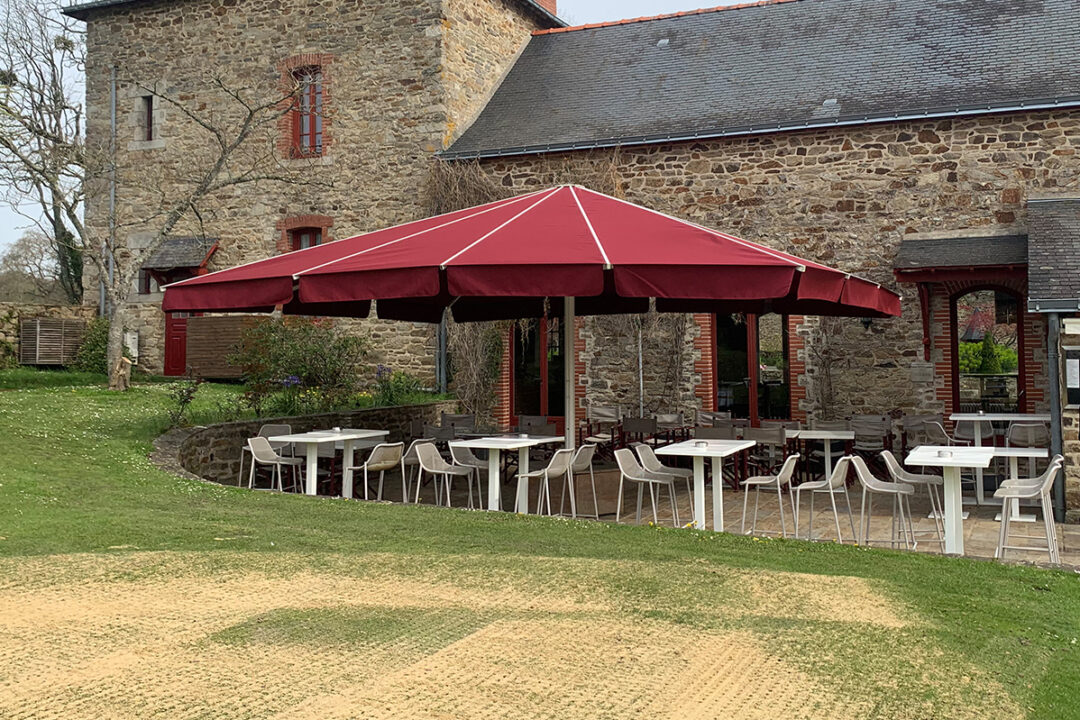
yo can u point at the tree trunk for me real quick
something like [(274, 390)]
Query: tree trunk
[(115, 351)]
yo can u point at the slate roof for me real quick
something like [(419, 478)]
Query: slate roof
[(180, 252), (923, 254), (83, 10), (779, 66), (1054, 255)]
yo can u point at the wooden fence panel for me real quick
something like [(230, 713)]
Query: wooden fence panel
[(210, 340), (49, 341)]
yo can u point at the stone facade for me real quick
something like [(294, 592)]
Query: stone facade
[(213, 453), (12, 313), (400, 79)]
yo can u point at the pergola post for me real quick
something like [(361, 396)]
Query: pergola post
[(569, 381)]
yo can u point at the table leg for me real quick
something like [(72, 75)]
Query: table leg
[(494, 482), (523, 487), (348, 460), (311, 451), (954, 523), (828, 459), (717, 494), (979, 499)]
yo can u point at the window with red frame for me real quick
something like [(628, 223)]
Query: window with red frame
[(308, 116), (303, 238)]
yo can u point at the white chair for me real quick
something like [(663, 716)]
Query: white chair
[(463, 457), (965, 432), (631, 470), (1012, 491), (930, 482), (432, 462), (900, 494), (650, 462), (383, 457), (834, 448), (269, 430), (835, 483), (409, 461), (581, 464), (558, 466), (262, 453), (775, 482), (1028, 435)]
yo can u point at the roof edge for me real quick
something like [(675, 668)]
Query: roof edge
[(665, 16), (741, 131)]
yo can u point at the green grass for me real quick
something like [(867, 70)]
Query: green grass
[(75, 478)]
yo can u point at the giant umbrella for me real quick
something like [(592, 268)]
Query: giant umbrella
[(565, 251)]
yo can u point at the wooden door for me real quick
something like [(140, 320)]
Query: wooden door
[(176, 344)]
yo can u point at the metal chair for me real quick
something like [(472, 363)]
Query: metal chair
[(1028, 435), (559, 466), (1028, 489), (267, 431), (630, 470), (383, 457), (433, 463), (582, 463), (900, 494), (464, 457), (835, 483), (715, 433), (930, 482), (410, 460), (650, 462), (776, 482), (670, 425), (262, 453)]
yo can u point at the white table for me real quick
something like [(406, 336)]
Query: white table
[(495, 446), (1014, 454), (311, 441), (699, 450), (828, 436), (978, 418), (951, 459)]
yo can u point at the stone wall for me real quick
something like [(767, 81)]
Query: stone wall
[(847, 197), (12, 313), (213, 452), (400, 77)]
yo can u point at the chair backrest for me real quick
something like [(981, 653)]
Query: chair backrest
[(914, 426), (527, 422), (965, 430), (1036, 435), (272, 429), (465, 422), (261, 450), (708, 418), (628, 464), (560, 463), (896, 470), (410, 454), (583, 457), (602, 414), (715, 433), (639, 426), (464, 456), (430, 459), (648, 458), (934, 433), (839, 473), (787, 470), (766, 436), (866, 477), (669, 421), (786, 424), (385, 456), (870, 431), (838, 425), (416, 428), (439, 433)]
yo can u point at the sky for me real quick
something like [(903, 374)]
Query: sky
[(576, 12)]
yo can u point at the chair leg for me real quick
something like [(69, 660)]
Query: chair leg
[(836, 517), (757, 497), (851, 516), (640, 489), (652, 499), (810, 526), (797, 496), (999, 552), (864, 520), (419, 482), (780, 502), (382, 477), (745, 500), (568, 481), (1051, 540), (936, 511), (595, 501), (674, 507), (251, 474), (618, 505), (240, 472), (448, 481)]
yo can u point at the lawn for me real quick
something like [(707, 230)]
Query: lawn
[(128, 592)]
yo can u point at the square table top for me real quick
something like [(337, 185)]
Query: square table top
[(330, 436), (958, 456), (505, 442), (712, 448), (826, 435), (1021, 452), (999, 417)]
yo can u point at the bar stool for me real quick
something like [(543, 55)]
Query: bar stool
[(1029, 489), (900, 494), (930, 482)]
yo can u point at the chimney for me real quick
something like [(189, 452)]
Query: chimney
[(549, 5)]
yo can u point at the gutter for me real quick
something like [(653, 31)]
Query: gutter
[(1072, 101)]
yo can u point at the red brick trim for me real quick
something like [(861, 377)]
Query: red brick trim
[(796, 368), (503, 409), (285, 123), (705, 364), (323, 222), (648, 18)]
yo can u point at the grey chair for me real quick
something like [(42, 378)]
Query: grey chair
[(728, 432), (630, 470), (410, 460), (832, 485), (775, 482), (930, 482), (708, 418), (383, 457), (262, 453), (581, 464), (432, 462)]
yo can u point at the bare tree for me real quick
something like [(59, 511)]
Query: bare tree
[(48, 156), (31, 263)]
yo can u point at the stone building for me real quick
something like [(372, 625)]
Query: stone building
[(914, 142)]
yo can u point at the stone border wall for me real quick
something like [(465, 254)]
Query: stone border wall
[(11, 314), (213, 452)]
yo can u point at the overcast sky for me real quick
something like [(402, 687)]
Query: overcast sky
[(576, 12)]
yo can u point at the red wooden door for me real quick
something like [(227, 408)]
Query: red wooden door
[(176, 343)]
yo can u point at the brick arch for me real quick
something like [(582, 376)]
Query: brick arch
[(323, 222)]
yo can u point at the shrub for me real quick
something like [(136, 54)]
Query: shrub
[(298, 365), (182, 394), (975, 358), (395, 388), (93, 353)]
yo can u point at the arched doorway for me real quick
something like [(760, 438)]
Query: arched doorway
[(988, 350)]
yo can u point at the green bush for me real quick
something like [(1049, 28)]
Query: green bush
[(93, 353), (395, 388), (982, 358), (299, 365)]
